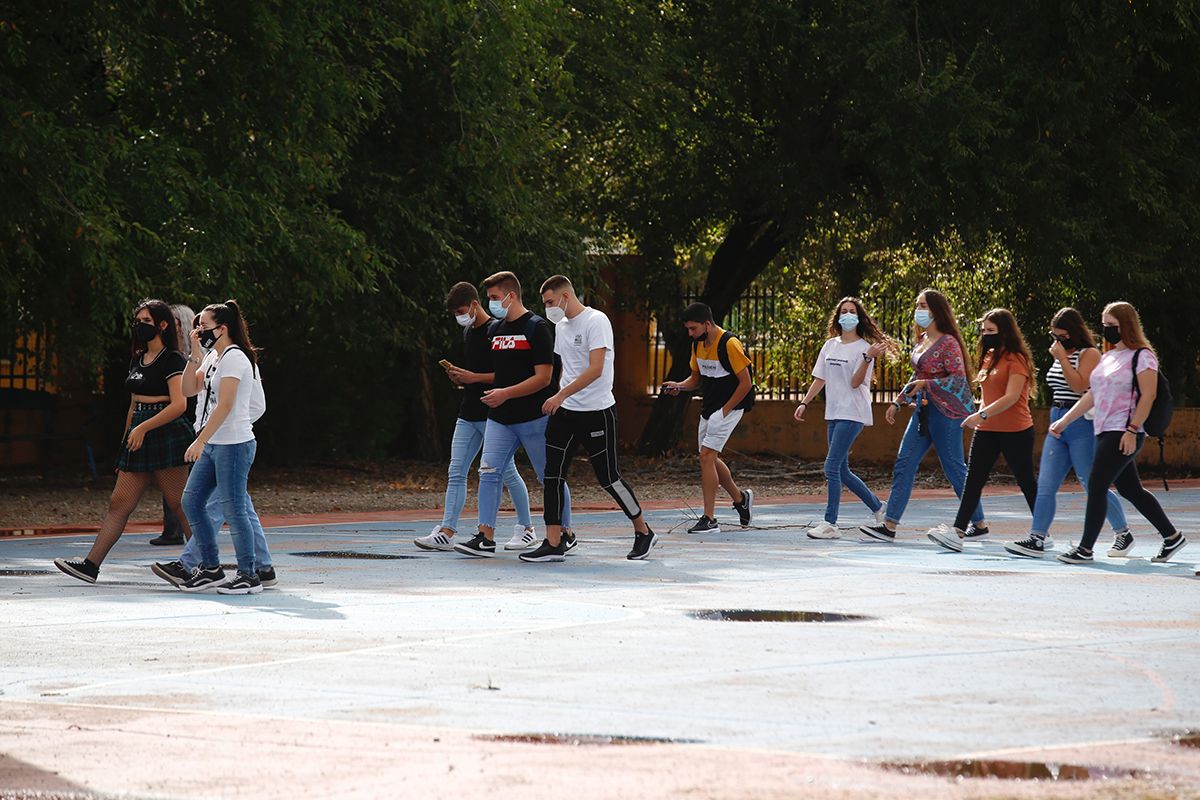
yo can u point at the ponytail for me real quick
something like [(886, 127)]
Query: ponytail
[(230, 315)]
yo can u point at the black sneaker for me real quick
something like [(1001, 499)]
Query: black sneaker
[(241, 584), (173, 572), (79, 568), (267, 577), (205, 579), (1077, 555), (1122, 545), (480, 546), (881, 533), (1033, 547), (643, 543), (546, 552), (1170, 547), (164, 539), (569, 540), (973, 533), (743, 508), (705, 525)]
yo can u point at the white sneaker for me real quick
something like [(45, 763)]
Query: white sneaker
[(823, 530), (523, 538), (436, 540), (880, 516), (1048, 543), (947, 537)]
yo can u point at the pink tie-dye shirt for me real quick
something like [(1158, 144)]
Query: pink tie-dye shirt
[(1112, 387)]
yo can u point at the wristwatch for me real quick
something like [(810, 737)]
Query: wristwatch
[(867, 358), (982, 414)]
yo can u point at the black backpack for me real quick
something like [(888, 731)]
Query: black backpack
[(723, 356), (1159, 418)]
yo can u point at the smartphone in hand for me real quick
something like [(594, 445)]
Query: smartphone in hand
[(444, 364)]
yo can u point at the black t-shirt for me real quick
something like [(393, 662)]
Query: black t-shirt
[(151, 379), (517, 347), (477, 354)]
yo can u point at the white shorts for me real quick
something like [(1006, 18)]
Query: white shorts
[(716, 430)]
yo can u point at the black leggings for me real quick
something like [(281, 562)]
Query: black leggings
[(1111, 467), (597, 432), (986, 447)]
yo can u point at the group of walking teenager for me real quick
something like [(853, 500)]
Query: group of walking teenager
[(220, 369), (545, 386), (1100, 405)]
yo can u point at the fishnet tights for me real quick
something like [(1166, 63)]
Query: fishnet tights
[(125, 498)]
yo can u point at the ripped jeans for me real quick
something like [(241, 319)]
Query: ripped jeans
[(500, 444)]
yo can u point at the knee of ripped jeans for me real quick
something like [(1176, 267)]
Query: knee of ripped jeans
[(486, 469)]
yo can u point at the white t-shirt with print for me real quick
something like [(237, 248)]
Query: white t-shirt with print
[(238, 427), (836, 365), (574, 341), (204, 407)]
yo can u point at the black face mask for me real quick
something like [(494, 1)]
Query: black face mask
[(1066, 341), (208, 338), (700, 338), (990, 341), (144, 332), (1112, 334)]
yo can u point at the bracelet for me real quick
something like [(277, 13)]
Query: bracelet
[(803, 403)]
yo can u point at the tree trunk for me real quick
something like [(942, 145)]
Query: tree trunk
[(747, 249), (429, 438)]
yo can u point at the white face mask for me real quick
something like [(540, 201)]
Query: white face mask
[(555, 314), (464, 319)]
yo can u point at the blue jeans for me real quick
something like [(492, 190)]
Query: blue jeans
[(222, 470), (1074, 450), (190, 557), (946, 436), (468, 439), (500, 443), (841, 433)]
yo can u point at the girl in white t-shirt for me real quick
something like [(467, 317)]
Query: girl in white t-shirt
[(844, 369), (223, 452)]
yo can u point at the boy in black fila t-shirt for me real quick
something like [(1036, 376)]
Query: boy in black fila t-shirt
[(522, 367)]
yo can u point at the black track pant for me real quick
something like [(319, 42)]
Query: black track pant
[(596, 432), (1111, 467), (986, 447)]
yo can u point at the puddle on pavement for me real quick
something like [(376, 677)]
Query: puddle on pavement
[(765, 615), (352, 554), (1185, 738), (578, 739), (973, 573), (21, 573), (1010, 770)]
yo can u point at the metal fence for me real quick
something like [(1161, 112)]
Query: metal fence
[(25, 363), (755, 321)]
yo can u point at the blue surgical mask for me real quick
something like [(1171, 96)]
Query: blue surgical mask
[(922, 317), (848, 321), (497, 309)]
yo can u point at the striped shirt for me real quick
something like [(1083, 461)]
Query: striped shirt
[(1062, 391)]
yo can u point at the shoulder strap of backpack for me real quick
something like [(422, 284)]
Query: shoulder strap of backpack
[(723, 351)]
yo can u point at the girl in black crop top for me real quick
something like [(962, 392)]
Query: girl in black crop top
[(156, 433)]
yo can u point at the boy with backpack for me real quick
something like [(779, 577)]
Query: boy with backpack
[(720, 367)]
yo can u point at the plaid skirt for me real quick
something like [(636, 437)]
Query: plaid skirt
[(162, 448)]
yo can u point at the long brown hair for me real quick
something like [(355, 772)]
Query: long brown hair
[(1071, 321), (229, 315), (1132, 334), (1011, 341), (943, 317), (867, 329)]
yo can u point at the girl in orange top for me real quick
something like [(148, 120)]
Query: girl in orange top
[(1002, 425)]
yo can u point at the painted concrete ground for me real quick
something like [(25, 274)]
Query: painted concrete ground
[(366, 676)]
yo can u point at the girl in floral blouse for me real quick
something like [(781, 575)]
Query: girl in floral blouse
[(941, 393)]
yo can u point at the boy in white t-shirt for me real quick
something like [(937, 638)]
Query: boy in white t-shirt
[(582, 413), (844, 368)]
